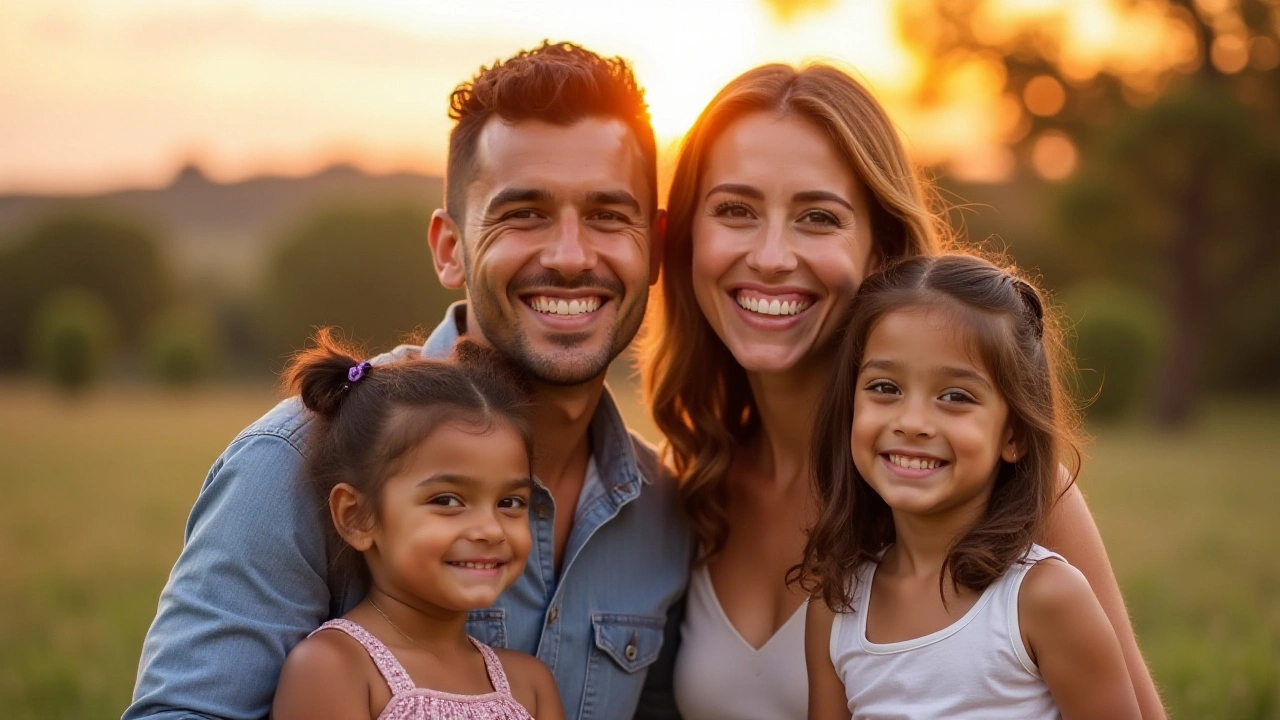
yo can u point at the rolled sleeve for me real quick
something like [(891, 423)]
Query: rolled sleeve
[(249, 584)]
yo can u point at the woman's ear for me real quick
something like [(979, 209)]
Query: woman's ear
[(350, 516), (1011, 445)]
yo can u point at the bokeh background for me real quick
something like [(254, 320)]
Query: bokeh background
[(188, 187)]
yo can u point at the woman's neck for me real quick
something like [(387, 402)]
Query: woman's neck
[(785, 404)]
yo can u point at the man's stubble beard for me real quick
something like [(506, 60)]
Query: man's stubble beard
[(508, 337)]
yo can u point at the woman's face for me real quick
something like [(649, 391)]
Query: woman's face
[(781, 240)]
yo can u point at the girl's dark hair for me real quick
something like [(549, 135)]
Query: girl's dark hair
[(1021, 346), (366, 427)]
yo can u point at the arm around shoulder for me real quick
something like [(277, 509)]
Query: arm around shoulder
[(1073, 534), (826, 691), (1072, 641), (249, 584)]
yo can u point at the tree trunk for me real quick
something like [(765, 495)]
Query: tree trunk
[(1190, 303)]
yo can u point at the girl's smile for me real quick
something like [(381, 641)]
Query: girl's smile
[(929, 428)]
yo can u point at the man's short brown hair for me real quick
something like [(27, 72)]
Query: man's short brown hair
[(559, 83)]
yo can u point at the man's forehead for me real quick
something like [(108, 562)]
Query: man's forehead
[(592, 154)]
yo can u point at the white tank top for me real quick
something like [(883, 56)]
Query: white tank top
[(719, 676), (976, 668)]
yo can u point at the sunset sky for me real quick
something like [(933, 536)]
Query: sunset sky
[(102, 94)]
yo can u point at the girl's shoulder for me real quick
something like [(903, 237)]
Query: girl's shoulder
[(328, 670), (531, 681)]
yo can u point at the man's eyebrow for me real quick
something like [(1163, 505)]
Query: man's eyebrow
[(509, 196), (737, 189), (613, 197), (822, 195)]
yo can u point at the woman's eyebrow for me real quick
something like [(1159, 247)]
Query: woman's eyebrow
[(737, 189), (819, 195)]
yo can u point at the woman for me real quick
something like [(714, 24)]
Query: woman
[(790, 187)]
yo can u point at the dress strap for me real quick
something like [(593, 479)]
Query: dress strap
[(497, 677), (392, 671)]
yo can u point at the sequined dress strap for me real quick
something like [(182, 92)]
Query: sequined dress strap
[(497, 676), (392, 671)]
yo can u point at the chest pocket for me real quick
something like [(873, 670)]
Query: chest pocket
[(631, 641), (489, 626)]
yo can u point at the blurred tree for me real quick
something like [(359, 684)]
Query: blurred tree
[(118, 261), (365, 271), (1116, 331), (1176, 176), (71, 340), (182, 346)]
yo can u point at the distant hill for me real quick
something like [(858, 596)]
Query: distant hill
[(225, 232)]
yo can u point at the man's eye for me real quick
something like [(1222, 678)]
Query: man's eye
[(522, 214)]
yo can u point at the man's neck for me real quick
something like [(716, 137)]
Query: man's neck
[(561, 438)]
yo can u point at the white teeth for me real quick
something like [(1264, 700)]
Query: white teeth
[(476, 565), (914, 463), (553, 306), (772, 307)]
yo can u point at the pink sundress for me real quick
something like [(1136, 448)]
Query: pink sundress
[(409, 702)]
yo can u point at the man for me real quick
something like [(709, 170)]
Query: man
[(551, 225)]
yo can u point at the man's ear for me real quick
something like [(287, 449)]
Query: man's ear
[(445, 239), (657, 243), (351, 518)]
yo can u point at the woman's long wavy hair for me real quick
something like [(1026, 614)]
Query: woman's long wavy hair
[(1020, 345), (697, 392)]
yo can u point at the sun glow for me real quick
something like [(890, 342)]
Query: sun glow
[(100, 93)]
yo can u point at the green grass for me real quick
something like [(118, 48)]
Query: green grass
[(96, 492)]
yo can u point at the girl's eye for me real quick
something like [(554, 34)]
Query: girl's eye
[(956, 396), (819, 217), (732, 210), (882, 387), (514, 502), (446, 501)]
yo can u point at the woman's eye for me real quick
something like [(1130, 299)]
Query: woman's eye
[(446, 501), (733, 211), (819, 217)]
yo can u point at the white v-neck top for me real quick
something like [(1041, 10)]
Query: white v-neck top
[(719, 676)]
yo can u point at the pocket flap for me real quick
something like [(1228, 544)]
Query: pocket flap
[(488, 626), (633, 641)]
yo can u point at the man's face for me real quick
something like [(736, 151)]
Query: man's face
[(556, 244)]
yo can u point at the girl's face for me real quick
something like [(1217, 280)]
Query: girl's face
[(452, 531), (781, 240), (929, 425)]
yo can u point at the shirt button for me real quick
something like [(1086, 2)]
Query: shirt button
[(631, 651), (555, 613)]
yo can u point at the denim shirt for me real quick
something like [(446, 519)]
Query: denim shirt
[(252, 578)]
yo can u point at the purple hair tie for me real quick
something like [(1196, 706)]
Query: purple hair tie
[(358, 371)]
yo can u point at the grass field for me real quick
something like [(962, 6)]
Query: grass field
[(96, 492)]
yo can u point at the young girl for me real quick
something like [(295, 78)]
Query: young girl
[(426, 469), (938, 454)]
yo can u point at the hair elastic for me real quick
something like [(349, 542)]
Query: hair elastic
[(358, 371)]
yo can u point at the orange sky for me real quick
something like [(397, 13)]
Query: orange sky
[(98, 94)]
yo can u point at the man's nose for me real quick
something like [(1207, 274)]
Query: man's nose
[(570, 251)]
